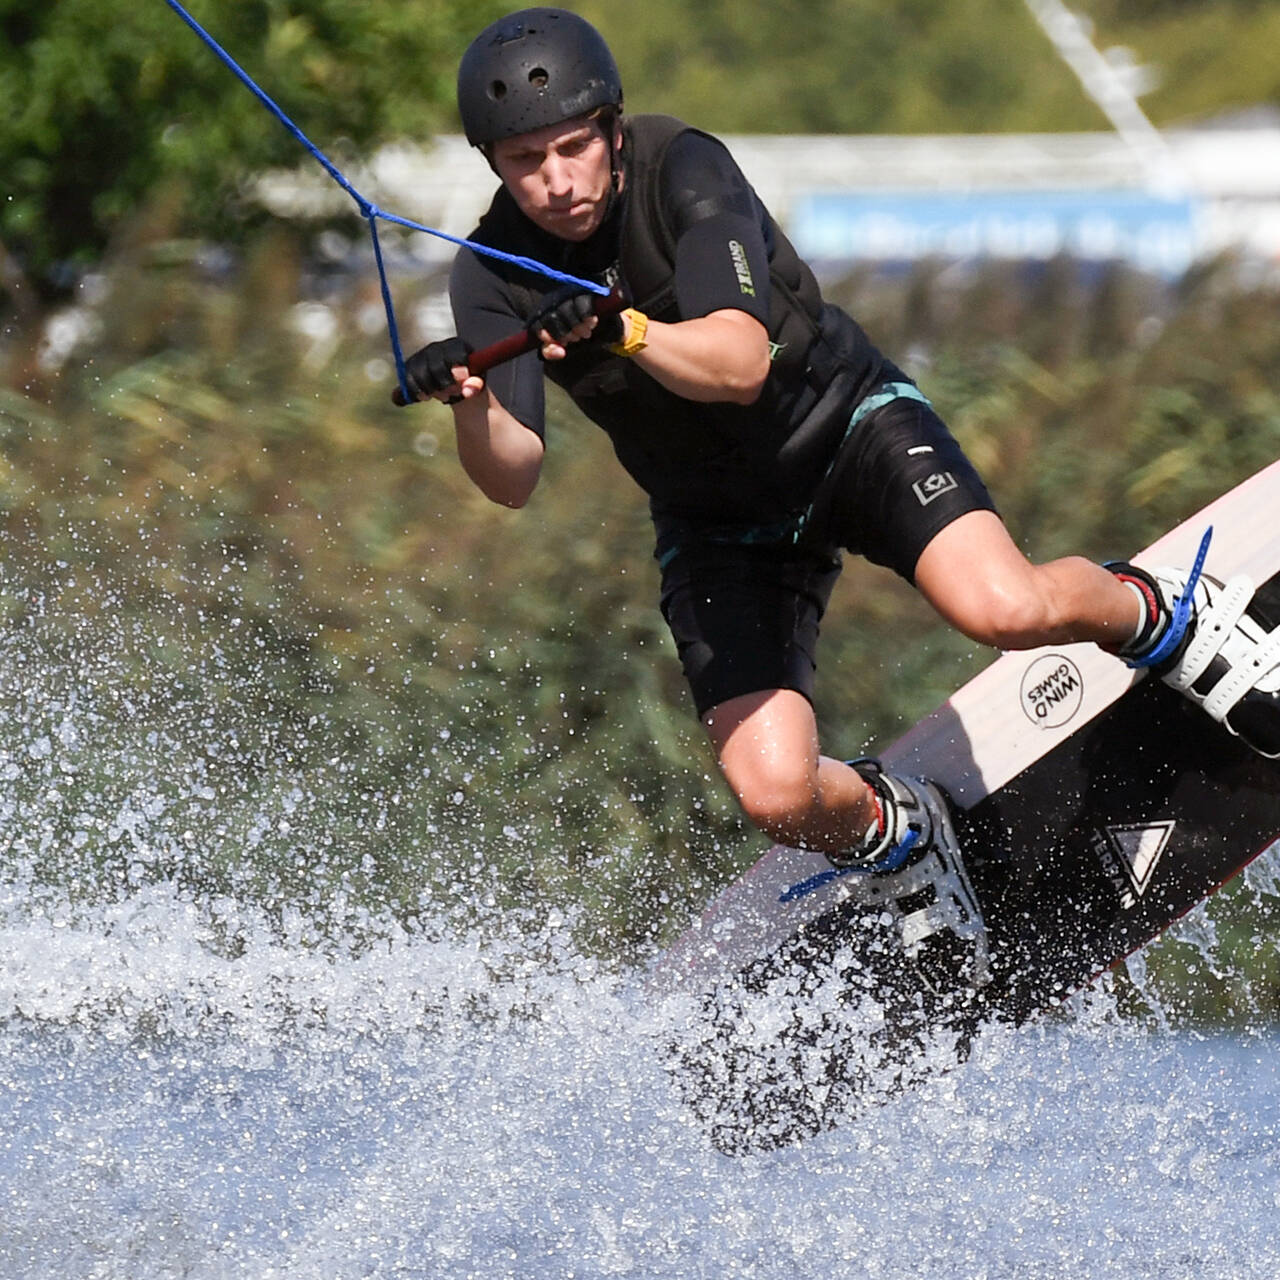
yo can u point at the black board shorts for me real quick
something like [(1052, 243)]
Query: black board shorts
[(745, 614)]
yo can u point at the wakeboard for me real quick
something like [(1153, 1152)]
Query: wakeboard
[(1095, 806)]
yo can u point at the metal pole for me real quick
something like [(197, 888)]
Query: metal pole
[(1107, 88)]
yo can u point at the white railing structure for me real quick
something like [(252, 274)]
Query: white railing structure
[(1019, 187)]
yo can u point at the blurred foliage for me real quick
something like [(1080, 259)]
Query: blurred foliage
[(105, 109), (245, 594), (844, 66), (921, 66), (1209, 59)]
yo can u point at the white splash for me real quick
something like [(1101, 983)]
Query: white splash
[(417, 1105)]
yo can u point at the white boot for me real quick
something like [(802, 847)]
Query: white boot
[(915, 871), (1224, 659)]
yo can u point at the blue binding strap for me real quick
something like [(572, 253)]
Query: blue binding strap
[(892, 861), (1180, 619), (369, 211)]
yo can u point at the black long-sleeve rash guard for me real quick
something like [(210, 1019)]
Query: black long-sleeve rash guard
[(721, 263)]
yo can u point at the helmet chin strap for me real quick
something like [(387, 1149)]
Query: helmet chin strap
[(611, 125)]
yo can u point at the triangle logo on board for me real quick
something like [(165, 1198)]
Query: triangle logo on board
[(1137, 848)]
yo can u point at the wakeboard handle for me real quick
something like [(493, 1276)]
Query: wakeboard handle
[(522, 341)]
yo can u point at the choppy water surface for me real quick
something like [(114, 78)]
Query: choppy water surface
[(221, 1055), (438, 1106)]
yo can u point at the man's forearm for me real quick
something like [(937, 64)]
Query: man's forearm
[(499, 453), (720, 357)]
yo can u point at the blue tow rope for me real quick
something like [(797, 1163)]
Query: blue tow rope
[(370, 211)]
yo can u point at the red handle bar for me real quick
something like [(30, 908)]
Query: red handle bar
[(480, 362)]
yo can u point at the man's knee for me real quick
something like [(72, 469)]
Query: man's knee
[(776, 795)]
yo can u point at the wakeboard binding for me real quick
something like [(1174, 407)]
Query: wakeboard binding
[(1225, 655), (916, 873)]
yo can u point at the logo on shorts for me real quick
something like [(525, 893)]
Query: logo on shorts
[(934, 486), (1052, 690)]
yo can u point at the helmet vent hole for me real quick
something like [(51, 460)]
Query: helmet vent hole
[(538, 77), (498, 90)]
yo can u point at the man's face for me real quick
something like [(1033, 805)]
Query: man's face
[(559, 175)]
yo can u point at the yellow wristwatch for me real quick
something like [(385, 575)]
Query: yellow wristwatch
[(636, 326)]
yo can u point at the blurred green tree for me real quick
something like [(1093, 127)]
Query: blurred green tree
[(107, 108), (1209, 58), (837, 66)]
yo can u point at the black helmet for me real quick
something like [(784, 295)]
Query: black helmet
[(531, 69)]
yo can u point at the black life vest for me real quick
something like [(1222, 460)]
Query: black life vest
[(702, 464)]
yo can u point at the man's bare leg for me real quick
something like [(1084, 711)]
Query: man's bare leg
[(767, 745)]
